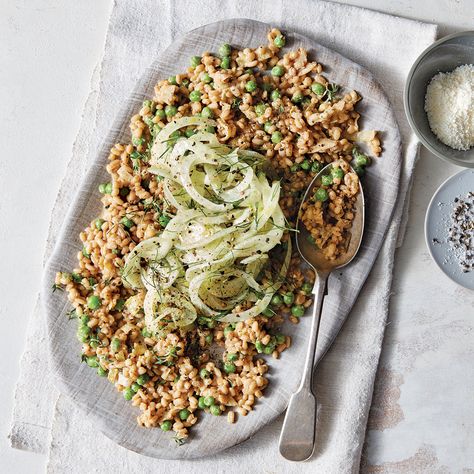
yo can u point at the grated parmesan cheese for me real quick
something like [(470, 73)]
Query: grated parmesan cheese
[(449, 104)]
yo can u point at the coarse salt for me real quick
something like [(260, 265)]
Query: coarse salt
[(449, 104)]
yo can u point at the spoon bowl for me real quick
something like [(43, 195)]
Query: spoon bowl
[(298, 433), (311, 254)]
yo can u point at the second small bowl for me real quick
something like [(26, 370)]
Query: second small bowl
[(444, 55)]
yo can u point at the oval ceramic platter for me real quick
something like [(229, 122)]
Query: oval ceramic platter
[(98, 398)]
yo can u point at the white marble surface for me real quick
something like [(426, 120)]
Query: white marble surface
[(423, 415)]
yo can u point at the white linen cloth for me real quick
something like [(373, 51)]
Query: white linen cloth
[(44, 421)]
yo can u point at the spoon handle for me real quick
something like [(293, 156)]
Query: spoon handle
[(298, 432)]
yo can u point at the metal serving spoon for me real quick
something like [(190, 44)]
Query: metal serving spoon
[(299, 428)]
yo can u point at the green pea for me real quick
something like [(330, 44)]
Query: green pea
[(210, 129), (115, 344), (307, 288), (128, 393), (215, 410), (184, 414), (321, 195), (268, 312), (171, 110), (173, 138), (250, 86), (189, 132), (204, 373), (209, 338), (143, 379), (225, 50), (259, 346), (138, 141), (297, 310), (269, 349), (201, 403), (232, 356), (126, 222), (145, 332), (361, 160), (209, 401), (280, 338), (318, 88), (229, 368), (267, 127), (288, 298), (306, 165), (94, 343), (326, 180), (148, 103), (85, 319), (337, 173), (279, 41), (92, 361), (164, 220), (160, 113), (135, 387), (172, 80), (276, 300), (228, 330), (93, 302), (211, 323), (108, 188), (119, 305), (124, 192), (225, 62), (260, 109), (277, 137), (275, 95), (316, 167), (166, 425), (294, 168), (148, 120), (83, 333), (206, 112), (101, 372), (195, 96), (206, 78), (195, 61), (278, 71), (297, 98), (99, 223), (85, 252), (102, 188)]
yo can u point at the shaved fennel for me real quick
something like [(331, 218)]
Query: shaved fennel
[(212, 257)]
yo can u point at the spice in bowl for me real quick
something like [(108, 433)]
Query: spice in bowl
[(449, 104)]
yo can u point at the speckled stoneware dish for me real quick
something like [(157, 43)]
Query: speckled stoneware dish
[(98, 398), (443, 56), (438, 221)]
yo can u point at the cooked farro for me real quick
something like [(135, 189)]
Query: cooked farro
[(295, 118), (328, 215)]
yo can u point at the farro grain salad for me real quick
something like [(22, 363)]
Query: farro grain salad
[(188, 273)]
